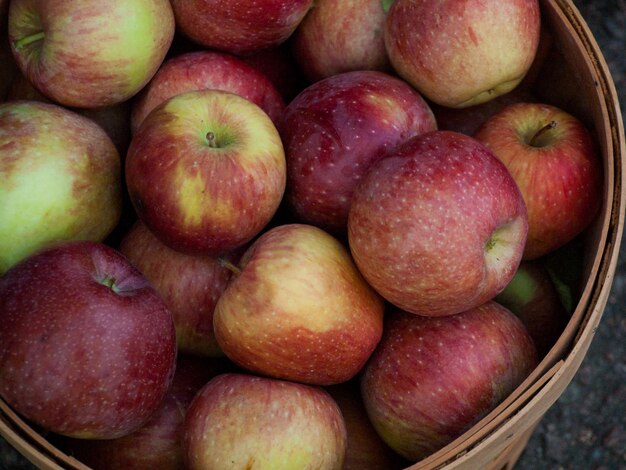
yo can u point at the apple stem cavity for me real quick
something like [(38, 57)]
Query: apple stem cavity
[(110, 282), (26, 40), (230, 266), (534, 141), (210, 137)]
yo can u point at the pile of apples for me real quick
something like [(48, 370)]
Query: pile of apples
[(277, 233)]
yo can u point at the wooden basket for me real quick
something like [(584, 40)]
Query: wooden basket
[(576, 78)]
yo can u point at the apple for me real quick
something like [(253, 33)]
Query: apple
[(59, 179), (115, 120), (439, 226), (431, 379), (190, 286), (157, 444), (335, 130), (244, 421), (280, 66), (206, 171), (239, 27), (89, 53), (337, 37), (365, 449), (460, 54), (533, 297), (298, 309), (553, 159), (207, 70), (87, 347), (468, 120)]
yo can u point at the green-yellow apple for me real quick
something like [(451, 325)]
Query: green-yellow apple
[(335, 130), (438, 226), (239, 26), (553, 159), (462, 53), (90, 53), (244, 421), (59, 179), (190, 286), (299, 309), (206, 171), (431, 379), (87, 346), (337, 37), (533, 297)]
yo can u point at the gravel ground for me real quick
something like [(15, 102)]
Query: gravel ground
[(586, 428)]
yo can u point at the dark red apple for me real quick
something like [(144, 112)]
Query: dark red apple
[(157, 444), (335, 130), (87, 347), (244, 421), (431, 379), (190, 285), (202, 70), (439, 226)]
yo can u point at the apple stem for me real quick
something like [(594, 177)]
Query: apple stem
[(25, 41), (230, 266), (210, 137), (109, 281), (540, 132)]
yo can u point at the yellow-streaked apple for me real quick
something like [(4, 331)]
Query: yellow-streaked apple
[(89, 53), (299, 309), (206, 171), (244, 421)]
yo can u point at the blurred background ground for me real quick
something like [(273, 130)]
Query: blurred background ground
[(586, 428)]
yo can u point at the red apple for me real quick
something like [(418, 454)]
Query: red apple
[(239, 27), (207, 70), (335, 130), (87, 347), (533, 297), (279, 65), (190, 286), (439, 226), (114, 120), (365, 450), (89, 53), (243, 421), (59, 179), (553, 159), (431, 379), (299, 309), (206, 171), (337, 37), (460, 54), (157, 444)]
